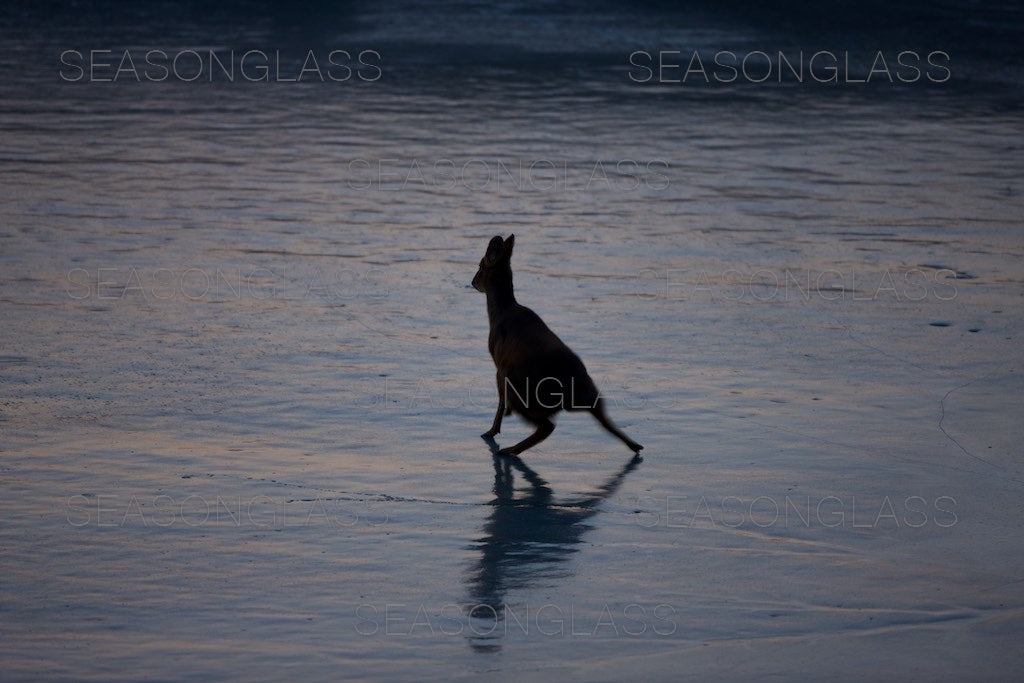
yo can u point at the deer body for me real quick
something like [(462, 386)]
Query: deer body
[(537, 374)]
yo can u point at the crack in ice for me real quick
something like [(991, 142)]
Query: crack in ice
[(942, 417)]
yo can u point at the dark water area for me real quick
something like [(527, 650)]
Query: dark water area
[(552, 45)]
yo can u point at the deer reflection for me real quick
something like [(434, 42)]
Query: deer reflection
[(526, 542)]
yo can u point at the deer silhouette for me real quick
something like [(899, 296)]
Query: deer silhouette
[(538, 375)]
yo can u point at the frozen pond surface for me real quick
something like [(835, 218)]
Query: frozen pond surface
[(243, 374)]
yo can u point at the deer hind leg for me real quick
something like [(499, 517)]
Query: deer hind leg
[(544, 429), (598, 412)]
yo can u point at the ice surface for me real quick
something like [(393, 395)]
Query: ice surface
[(243, 375)]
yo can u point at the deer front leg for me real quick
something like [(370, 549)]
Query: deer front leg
[(502, 411), (496, 426)]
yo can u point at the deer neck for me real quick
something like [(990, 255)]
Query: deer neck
[(500, 298)]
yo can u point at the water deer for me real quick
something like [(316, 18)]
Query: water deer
[(538, 375)]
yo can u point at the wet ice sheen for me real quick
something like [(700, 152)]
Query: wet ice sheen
[(240, 390)]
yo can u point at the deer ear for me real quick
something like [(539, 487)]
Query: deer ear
[(506, 251), (494, 249)]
